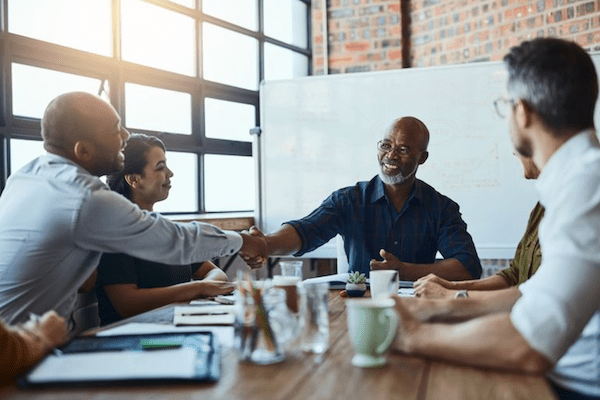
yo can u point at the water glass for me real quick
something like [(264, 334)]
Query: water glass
[(314, 334), (291, 268), (263, 323)]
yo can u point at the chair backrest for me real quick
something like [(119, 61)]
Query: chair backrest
[(342, 258)]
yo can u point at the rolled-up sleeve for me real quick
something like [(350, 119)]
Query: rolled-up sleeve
[(319, 226), (455, 242)]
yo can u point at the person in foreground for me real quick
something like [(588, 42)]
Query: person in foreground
[(526, 261), (129, 285), (23, 346), (394, 221), (57, 217), (551, 323)]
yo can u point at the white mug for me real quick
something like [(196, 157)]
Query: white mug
[(384, 283)]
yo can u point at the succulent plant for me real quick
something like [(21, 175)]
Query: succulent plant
[(356, 278)]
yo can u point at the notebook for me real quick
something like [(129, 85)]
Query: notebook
[(130, 360)]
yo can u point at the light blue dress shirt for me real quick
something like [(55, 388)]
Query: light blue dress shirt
[(55, 221)]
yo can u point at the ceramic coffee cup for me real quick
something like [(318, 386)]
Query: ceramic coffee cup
[(372, 325), (384, 282)]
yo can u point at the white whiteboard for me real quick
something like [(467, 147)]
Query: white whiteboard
[(319, 134)]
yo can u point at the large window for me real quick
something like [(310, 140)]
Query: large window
[(187, 71)]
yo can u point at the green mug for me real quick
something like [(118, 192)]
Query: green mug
[(372, 325)]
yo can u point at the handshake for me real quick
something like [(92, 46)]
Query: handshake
[(255, 249)]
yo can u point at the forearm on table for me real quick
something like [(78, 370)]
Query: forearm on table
[(491, 283), (285, 241), (210, 272), (476, 305), (450, 269), (129, 300), (490, 341)]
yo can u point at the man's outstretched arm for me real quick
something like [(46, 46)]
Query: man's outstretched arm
[(490, 341)]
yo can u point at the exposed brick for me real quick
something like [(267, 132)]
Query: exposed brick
[(394, 8), (365, 34), (394, 55), (357, 46), (336, 61)]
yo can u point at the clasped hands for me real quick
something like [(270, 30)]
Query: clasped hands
[(255, 249)]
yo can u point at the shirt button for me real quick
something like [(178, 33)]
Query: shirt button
[(395, 243)]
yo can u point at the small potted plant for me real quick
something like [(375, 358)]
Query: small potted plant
[(356, 285)]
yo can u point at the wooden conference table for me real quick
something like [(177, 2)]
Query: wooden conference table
[(300, 377)]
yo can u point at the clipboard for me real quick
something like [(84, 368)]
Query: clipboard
[(130, 360)]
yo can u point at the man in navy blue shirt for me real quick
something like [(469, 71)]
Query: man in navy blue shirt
[(393, 221)]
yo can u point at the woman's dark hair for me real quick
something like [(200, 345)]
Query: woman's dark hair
[(135, 153)]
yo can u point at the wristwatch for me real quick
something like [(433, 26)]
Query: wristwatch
[(461, 294)]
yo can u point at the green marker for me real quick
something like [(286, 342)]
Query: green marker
[(160, 344)]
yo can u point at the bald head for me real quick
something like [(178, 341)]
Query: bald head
[(71, 117), (401, 151), (85, 129), (412, 126)]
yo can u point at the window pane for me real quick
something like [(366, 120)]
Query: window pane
[(33, 88), (238, 12), (220, 124), (158, 109), (230, 57), (83, 25), (23, 151), (229, 183), (158, 38), (183, 196), (281, 63), (286, 20)]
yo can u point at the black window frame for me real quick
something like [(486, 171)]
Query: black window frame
[(28, 51)]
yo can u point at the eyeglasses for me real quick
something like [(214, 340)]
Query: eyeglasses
[(503, 106), (386, 147)]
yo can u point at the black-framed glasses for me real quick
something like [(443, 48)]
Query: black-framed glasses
[(503, 106), (386, 147)]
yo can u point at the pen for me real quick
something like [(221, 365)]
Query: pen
[(204, 313)]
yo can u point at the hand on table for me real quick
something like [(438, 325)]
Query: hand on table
[(408, 325), (50, 329), (435, 279), (432, 290), (214, 288)]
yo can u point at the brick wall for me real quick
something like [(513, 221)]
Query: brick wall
[(365, 35), (362, 35)]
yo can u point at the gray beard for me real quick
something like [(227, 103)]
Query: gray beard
[(397, 179)]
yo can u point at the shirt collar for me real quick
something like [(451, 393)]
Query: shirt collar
[(559, 161), (379, 191)]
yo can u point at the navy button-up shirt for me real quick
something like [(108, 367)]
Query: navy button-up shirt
[(364, 216)]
